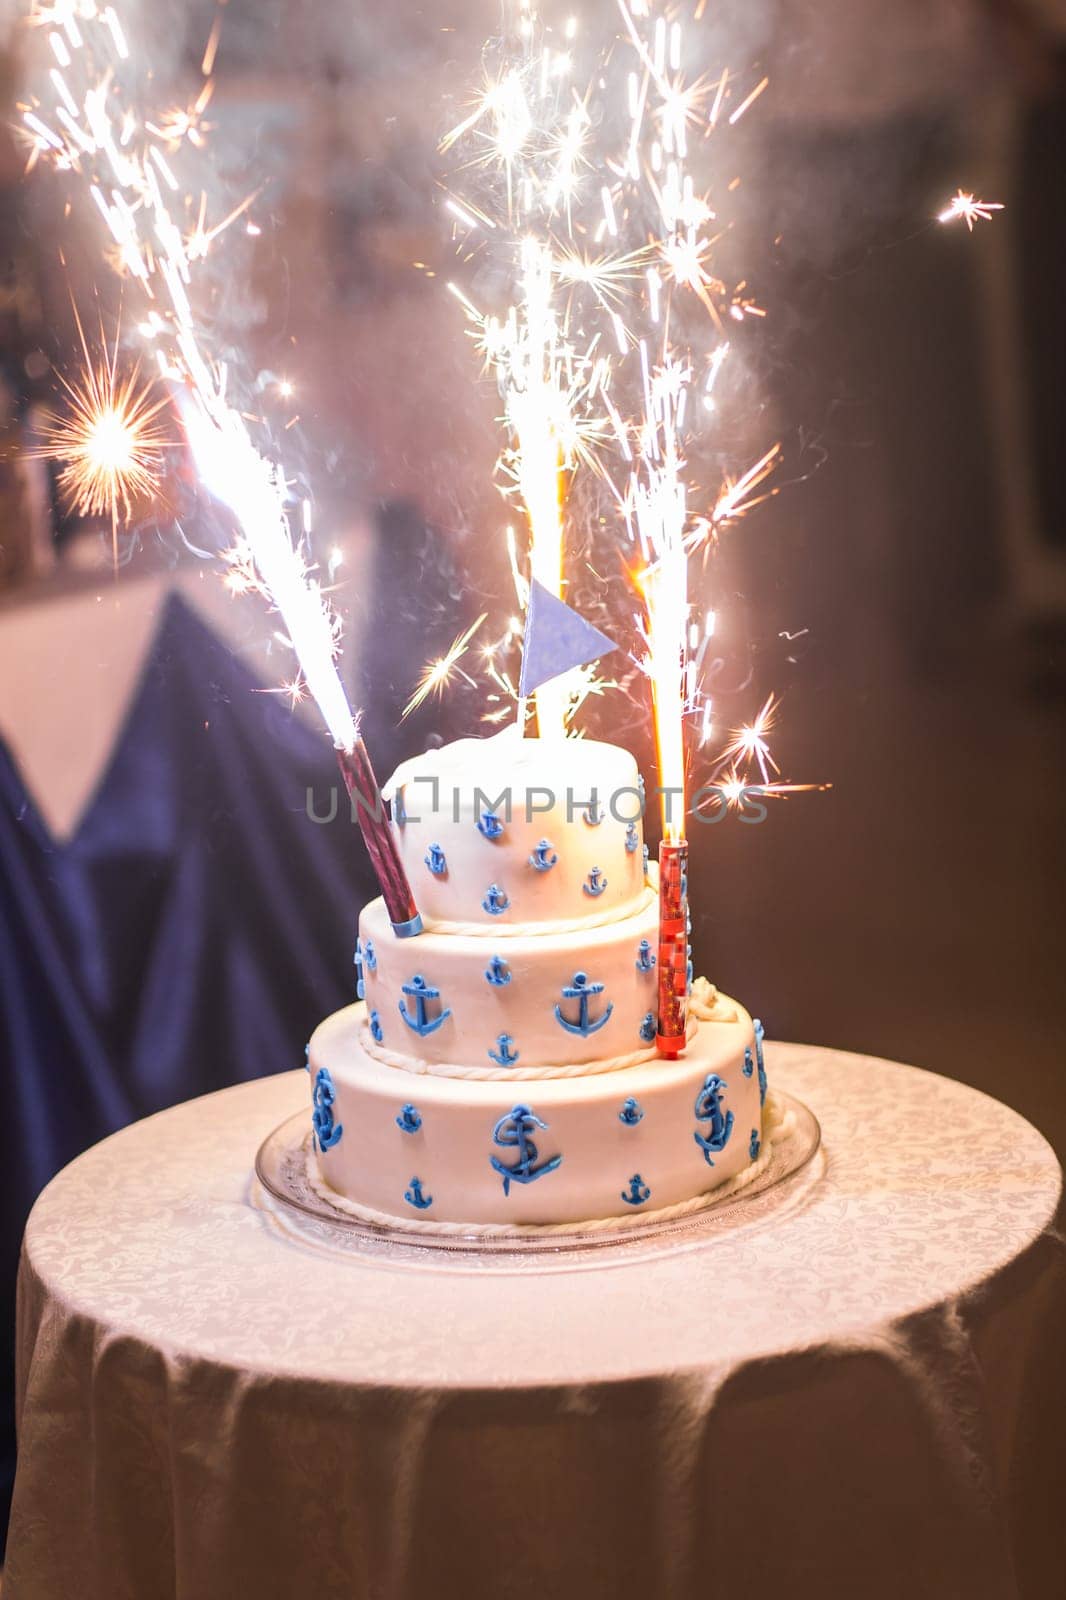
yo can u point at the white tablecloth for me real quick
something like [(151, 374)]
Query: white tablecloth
[(855, 1397)]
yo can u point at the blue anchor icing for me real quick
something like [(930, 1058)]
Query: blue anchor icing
[(375, 1027), (631, 1112), (422, 993), (632, 838), (490, 825), (543, 857), (496, 900), (760, 1033), (594, 812), (436, 861), (307, 1056), (370, 956), (498, 972), (580, 989), (416, 1198), (754, 1145), (514, 1132), (709, 1109), (648, 1027), (504, 1055), (324, 1131), (647, 852), (749, 1066), (357, 962), (409, 1120), (595, 883), (638, 1191), (645, 958)]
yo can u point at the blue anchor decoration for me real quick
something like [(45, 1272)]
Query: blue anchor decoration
[(647, 850), (754, 1145), (645, 958), (595, 883), (496, 900), (631, 1112), (632, 838), (416, 1198), (543, 857), (709, 1109), (498, 972), (490, 825), (648, 1027), (370, 956), (749, 1066), (324, 1130), (638, 1191), (421, 993), (594, 812), (760, 1033), (643, 790), (399, 809), (375, 1027), (505, 1055), (514, 1132), (357, 962), (409, 1120), (436, 861), (580, 989)]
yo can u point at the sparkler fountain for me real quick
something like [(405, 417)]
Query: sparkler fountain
[(527, 135), (125, 164), (656, 509)]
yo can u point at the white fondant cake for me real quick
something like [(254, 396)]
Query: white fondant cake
[(502, 1071)]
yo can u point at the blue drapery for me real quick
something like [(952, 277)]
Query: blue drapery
[(189, 935)]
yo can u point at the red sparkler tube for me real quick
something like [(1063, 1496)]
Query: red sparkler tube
[(671, 1036), (363, 788)]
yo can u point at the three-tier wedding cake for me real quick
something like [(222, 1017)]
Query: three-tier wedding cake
[(500, 1071)]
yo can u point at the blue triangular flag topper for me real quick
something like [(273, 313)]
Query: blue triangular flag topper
[(556, 639)]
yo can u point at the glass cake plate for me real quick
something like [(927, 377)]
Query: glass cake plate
[(286, 1193)]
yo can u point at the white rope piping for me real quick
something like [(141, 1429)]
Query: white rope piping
[(493, 930), (447, 1069), (777, 1121), (704, 1006)]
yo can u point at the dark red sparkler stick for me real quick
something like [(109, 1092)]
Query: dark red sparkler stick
[(671, 1035), (365, 792)]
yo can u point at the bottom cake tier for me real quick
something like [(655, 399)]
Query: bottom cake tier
[(521, 1149)]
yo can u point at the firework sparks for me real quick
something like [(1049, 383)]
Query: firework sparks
[(749, 744), (737, 498), (965, 208), (437, 673), (109, 440), (180, 123)]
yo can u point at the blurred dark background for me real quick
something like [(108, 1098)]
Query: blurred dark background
[(173, 920)]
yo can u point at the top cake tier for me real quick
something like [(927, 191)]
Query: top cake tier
[(512, 833)]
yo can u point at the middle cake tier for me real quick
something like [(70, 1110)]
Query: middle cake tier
[(500, 1003)]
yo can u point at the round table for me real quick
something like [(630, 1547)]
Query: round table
[(853, 1396)]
